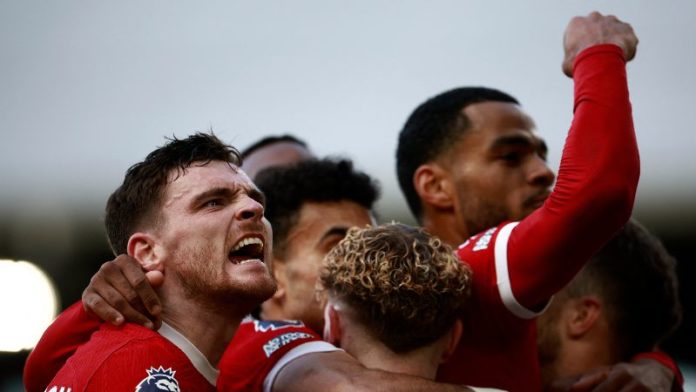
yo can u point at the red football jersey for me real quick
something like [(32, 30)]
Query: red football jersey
[(134, 358), (498, 344), (260, 349)]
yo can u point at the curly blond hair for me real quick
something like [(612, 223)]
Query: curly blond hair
[(406, 286)]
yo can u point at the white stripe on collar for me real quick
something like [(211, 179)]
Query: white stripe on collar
[(199, 361)]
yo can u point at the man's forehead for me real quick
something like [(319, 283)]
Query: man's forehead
[(497, 115), (322, 217), (215, 174), (276, 154)]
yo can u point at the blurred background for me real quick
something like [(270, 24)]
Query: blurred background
[(89, 88)]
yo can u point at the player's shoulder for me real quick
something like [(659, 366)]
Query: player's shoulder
[(259, 347), (270, 335), (483, 243), (122, 357)]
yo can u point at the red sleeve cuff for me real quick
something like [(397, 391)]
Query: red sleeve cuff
[(603, 48)]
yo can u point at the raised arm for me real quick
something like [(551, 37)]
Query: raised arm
[(599, 170)]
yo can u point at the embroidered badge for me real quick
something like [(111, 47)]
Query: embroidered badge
[(159, 379)]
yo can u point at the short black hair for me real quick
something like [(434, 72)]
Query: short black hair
[(288, 188), (431, 129), (636, 279), (136, 202), (272, 140)]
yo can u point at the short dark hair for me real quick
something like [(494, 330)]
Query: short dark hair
[(272, 140), (636, 279), (404, 285), (288, 188), (431, 129), (136, 202)]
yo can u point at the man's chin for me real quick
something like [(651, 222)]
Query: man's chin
[(252, 294), (240, 298)]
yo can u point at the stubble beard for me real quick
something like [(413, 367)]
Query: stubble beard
[(206, 282), (480, 215)]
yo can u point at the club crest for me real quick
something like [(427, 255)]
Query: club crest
[(159, 379)]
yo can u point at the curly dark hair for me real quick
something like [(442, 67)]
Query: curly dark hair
[(136, 202), (288, 188), (636, 279), (406, 286), (431, 129)]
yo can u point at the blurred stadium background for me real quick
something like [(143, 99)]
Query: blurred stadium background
[(86, 89)]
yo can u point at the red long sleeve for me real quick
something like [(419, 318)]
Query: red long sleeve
[(597, 180)]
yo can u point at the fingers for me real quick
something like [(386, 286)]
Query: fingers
[(104, 302), (137, 288), (595, 29), (96, 305), (120, 291)]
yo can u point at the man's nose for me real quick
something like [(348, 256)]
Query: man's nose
[(251, 209)]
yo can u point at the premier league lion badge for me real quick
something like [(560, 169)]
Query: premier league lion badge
[(159, 379)]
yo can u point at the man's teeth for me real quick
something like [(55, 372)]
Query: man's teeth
[(248, 261), (248, 241)]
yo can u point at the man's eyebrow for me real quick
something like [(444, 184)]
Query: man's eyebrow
[(523, 141), (211, 193), (336, 230), (512, 140)]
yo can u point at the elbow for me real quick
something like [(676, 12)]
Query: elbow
[(616, 199)]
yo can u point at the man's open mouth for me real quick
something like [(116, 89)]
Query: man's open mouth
[(247, 250)]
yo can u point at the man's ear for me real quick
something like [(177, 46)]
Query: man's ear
[(281, 280), (453, 337), (142, 247), (433, 186), (332, 325), (582, 315)]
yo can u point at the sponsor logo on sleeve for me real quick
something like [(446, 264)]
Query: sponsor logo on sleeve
[(485, 239), (281, 340), (159, 379)]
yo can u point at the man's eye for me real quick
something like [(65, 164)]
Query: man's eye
[(213, 203), (511, 157)]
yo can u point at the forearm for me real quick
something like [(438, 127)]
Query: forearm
[(337, 371), (596, 185)]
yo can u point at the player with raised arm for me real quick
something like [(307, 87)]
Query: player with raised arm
[(470, 163)]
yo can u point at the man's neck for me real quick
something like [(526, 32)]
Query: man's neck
[(446, 227), (415, 363), (207, 329), (422, 362), (271, 310)]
